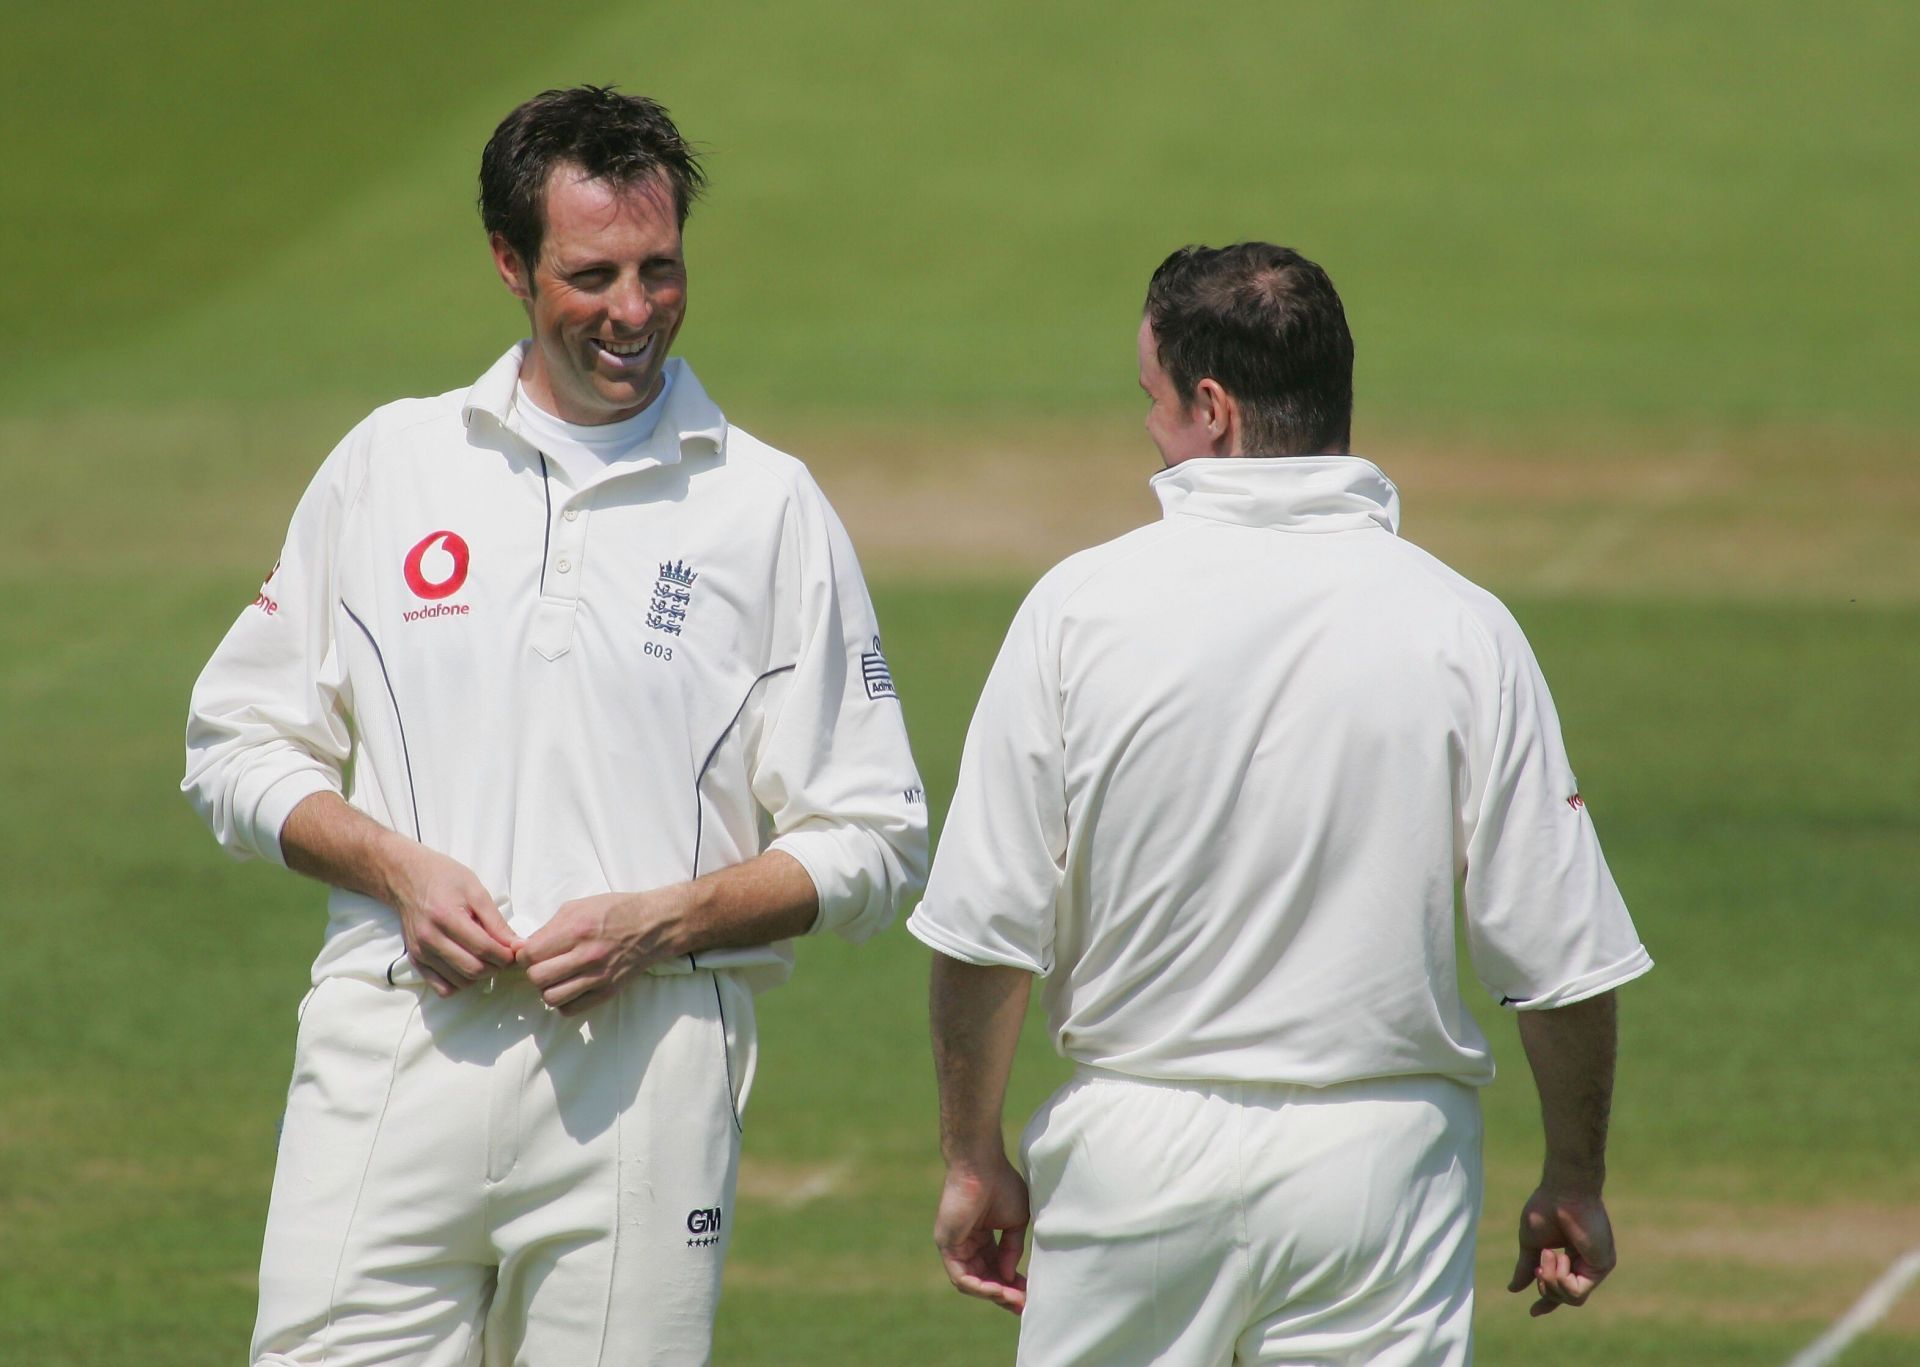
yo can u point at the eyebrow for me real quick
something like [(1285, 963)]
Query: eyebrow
[(599, 263)]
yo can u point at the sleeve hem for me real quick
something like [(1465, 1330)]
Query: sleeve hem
[(270, 813), (796, 849), (1588, 984), (922, 928)]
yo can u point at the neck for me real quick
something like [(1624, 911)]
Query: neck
[(533, 379)]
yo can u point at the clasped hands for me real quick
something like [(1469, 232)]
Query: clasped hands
[(455, 934)]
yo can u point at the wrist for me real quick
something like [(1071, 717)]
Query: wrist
[(389, 856), (1569, 1181), (678, 913), (973, 1153)]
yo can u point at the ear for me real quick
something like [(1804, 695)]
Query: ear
[(1219, 413), (513, 272)]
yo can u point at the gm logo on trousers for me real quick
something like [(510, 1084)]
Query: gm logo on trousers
[(704, 1226)]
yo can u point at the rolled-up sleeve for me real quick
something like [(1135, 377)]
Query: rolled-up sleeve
[(833, 769), (993, 894), (267, 726), (1546, 925)]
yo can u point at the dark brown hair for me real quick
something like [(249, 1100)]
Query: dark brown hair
[(622, 139), (1266, 324)]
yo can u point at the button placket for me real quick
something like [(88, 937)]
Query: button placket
[(560, 593)]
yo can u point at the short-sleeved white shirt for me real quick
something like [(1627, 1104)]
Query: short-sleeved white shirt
[(1227, 773)]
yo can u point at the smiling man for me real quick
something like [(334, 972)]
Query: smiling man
[(573, 694)]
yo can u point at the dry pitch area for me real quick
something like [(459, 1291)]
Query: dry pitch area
[(1765, 516), (1759, 517)]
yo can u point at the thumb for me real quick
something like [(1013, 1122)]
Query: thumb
[(487, 913), (1523, 1271)]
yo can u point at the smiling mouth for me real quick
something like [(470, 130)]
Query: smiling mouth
[(625, 355)]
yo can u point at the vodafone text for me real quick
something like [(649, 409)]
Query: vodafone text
[(436, 610)]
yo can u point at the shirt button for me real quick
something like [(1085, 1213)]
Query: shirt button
[(572, 514), (563, 566)]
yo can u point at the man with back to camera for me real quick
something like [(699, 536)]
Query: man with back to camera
[(573, 693), (1218, 792)]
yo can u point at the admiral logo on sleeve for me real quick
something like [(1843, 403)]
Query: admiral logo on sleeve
[(875, 674)]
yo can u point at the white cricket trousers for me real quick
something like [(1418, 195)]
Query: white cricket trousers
[(1206, 1224), (481, 1180)]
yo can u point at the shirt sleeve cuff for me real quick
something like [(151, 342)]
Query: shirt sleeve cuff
[(270, 813), (1587, 985), (934, 936), (829, 889)]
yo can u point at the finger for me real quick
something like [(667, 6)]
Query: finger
[(451, 960), (556, 937), (588, 1001), (432, 978), (1576, 1288), (1542, 1307), (1554, 1269), (1523, 1271), (487, 913), (431, 952), (552, 972), (1586, 1265), (460, 928), (971, 1283), (1013, 1243), (561, 993)]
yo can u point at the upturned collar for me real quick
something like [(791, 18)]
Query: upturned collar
[(1284, 493)]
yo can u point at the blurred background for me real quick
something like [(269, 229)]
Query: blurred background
[(1638, 330)]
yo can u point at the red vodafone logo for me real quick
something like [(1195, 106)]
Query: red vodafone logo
[(437, 567)]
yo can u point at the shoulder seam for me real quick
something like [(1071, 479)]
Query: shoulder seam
[(1107, 563), (1452, 590)]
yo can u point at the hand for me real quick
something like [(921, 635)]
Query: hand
[(1566, 1249), (594, 944), (453, 930), (981, 1231)]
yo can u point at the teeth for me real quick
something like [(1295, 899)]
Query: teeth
[(624, 348)]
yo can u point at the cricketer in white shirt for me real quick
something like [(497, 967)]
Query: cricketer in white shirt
[(1218, 793), (571, 689), (573, 693)]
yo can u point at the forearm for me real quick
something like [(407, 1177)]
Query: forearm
[(324, 838), (1571, 1051), (769, 897), (976, 1014)]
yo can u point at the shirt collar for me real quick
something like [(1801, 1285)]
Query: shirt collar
[(689, 416), (1286, 493)]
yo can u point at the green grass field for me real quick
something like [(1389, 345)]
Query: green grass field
[(1637, 334)]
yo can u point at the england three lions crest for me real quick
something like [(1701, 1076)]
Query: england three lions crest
[(875, 674), (672, 596)]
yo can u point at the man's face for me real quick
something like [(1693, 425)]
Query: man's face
[(1179, 430), (606, 298)]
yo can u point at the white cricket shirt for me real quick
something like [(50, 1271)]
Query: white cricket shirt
[(572, 690), (1226, 774)]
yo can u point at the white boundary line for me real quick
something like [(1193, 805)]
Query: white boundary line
[(1866, 1312)]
